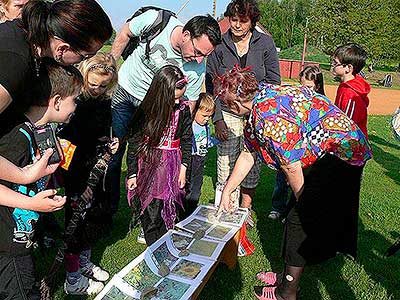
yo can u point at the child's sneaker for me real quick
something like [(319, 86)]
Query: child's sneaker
[(274, 215), (95, 272), (140, 238), (84, 286)]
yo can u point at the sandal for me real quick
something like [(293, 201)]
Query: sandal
[(265, 292), (269, 278), (250, 219)]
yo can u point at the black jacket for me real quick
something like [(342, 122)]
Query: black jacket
[(262, 57), (184, 132)]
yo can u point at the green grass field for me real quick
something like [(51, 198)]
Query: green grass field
[(371, 277)]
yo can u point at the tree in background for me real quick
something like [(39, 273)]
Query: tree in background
[(375, 24), (285, 20)]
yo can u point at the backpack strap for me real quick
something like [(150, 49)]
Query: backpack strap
[(27, 135), (158, 26), (155, 29)]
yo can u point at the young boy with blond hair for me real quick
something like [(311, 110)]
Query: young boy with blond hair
[(202, 140)]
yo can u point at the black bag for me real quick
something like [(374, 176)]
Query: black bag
[(159, 24)]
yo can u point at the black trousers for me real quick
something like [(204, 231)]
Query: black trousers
[(193, 185), (152, 223), (17, 278)]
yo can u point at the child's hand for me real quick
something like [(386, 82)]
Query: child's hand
[(131, 183), (39, 168), (221, 130), (114, 145), (182, 177), (47, 201)]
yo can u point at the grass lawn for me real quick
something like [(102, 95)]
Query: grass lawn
[(371, 277)]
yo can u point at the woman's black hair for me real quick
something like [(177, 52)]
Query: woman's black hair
[(77, 22)]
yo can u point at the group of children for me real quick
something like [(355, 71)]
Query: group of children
[(167, 149)]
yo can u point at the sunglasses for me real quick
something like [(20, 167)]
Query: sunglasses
[(82, 56)]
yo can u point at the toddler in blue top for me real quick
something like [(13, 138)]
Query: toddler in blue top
[(202, 140)]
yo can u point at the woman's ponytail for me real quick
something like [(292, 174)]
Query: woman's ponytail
[(35, 22)]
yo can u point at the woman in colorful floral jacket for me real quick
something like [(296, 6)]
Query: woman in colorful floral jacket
[(300, 132)]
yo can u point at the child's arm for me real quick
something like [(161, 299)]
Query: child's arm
[(352, 105), (132, 161), (31, 173), (46, 201), (186, 144)]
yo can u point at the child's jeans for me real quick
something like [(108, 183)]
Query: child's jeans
[(280, 193), (152, 223), (123, 106)]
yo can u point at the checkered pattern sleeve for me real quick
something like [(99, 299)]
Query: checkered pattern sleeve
[(291, 123)]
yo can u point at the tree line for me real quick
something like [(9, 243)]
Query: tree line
[(375, 24)]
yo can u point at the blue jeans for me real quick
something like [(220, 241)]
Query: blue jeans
[(280, 193), (123, 106)]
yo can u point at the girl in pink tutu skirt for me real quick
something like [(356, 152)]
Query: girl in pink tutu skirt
[(159, 152)]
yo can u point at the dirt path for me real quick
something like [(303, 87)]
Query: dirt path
[(382, 101)]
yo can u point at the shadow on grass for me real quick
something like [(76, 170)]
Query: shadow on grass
[(382, 270), (224, 284), (330, 275), (387, 160), (383, 142)]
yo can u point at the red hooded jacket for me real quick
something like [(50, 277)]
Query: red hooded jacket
[(352, 99)]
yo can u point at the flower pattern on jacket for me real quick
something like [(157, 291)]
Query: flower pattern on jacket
[(292, 123)]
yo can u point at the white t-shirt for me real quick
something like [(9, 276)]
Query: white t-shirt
[(137, 72)]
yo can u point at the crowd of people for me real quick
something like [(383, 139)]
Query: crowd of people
[(54, 81)]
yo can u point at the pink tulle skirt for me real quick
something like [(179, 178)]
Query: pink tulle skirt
[(158, 178)]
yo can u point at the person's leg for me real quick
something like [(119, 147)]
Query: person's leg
[(289, 285), (17, 278), (279, 196), (89, 269), (195, 184), (152, 222), (123, 106), (249, 184)]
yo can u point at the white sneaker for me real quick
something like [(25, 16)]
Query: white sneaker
[(95, 272), (140, 238), (274, 215), (84, 286)]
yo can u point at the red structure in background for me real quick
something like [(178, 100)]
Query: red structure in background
[(288, 68), (291, 68)]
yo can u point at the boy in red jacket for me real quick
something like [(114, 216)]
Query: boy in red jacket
[(352, 94)]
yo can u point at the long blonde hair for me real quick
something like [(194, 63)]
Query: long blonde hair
[(101, 64)]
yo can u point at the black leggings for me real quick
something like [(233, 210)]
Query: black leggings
[(152, 221)]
